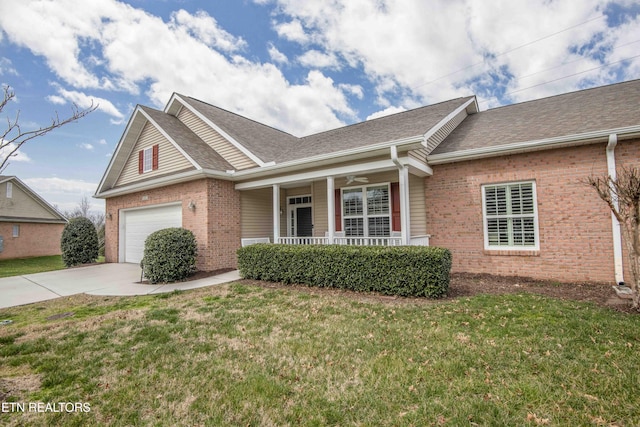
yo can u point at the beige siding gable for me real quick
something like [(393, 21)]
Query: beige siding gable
[(222, 146), (22, 205), (435, 139), (170, 159)]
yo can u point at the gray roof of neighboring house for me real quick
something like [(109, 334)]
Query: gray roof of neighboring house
[(600, 108), (270, 144), (202, 153)]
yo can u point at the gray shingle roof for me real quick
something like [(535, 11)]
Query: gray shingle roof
[(204, 155), (270, 144), (600, 108)]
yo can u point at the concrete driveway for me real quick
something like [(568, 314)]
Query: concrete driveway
[(103, 279)]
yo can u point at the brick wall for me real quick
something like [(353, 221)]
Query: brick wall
[(34, 240), (575, 225), (215, 221)]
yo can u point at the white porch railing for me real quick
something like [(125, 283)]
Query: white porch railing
[(303, 240), (342, 240)]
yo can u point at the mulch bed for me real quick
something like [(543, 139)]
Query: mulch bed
[(466, 285)]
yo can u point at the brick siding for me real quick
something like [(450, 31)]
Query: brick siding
[(34, 240), (575, 225), (215, 221)]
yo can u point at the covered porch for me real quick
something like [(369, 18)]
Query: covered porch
[(375, 203)]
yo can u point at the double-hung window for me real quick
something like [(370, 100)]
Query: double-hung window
[(510, 216), (366, 211), (148, 160)]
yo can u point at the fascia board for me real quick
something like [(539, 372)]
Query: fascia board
[(344, 155), (448, 118), (38, 199), (528, 146), (121, 143), (225, 135), (172, 141), (163, 181)]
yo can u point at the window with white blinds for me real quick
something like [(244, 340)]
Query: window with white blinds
[(367, 211), (510, 216)]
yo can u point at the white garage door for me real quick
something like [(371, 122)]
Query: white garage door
[(139, 223)]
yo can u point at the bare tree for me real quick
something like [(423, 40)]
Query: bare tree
[(14, 137), (622, 195)]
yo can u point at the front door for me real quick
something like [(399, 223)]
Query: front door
[(300, 219), (304, 226)]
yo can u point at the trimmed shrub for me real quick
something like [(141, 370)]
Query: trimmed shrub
[(169, 255), (79, 242), (421, 271)]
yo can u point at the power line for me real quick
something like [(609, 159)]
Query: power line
[(511, 50), (561, 78)]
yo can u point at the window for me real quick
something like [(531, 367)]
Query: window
[(148, 159), (366, 211), (510, 216), (9, 190), (16, 231)]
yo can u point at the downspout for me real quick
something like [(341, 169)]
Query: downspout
[(404, 196), (617, 236)]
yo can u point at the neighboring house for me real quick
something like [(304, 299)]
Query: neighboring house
[(29, 226), (501, 188)]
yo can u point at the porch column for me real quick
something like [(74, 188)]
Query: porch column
[(331, 209), (405, 214), (276, 213)]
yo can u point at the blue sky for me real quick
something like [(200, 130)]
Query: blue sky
[(302, 67)]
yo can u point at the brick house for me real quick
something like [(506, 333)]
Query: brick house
[(501, 188), (29, 226)]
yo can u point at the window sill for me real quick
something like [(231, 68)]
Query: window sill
[(512, 252)]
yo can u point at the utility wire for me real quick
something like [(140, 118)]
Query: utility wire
[(510, 50)]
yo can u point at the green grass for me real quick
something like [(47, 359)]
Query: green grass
[(22, 266), (244, 355)]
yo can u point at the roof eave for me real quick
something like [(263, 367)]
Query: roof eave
[(535, 145)]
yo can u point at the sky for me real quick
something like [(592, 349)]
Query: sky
[(299, 66)]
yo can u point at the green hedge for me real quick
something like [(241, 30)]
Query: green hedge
[(403, 270), (169, 255)]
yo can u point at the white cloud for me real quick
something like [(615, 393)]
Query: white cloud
[(102, 142), (86, 146), (85, 101), (55, 99), (6, 66), (316, 59), (440, 49), (61, 185), (205, 28), (276, 55), (386, 112), (292, 31), (18, 156)]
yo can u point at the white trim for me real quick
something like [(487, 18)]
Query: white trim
[(405, 216), (171, 140), (147, 154), (9, 190), (276, 212), (365, 215), (294, 208), (448, 118), (535, 145), (215, 127), (536, 231), (408, 143), (369, 167), (331, 209)]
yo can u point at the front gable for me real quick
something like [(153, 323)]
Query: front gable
[(165, 157), (18, 202)]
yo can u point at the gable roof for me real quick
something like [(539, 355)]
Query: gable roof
[(601, 109), (56, 217)]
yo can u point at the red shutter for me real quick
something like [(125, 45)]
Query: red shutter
[(140, 161), (396, 222), (155, 157), (338, 210)]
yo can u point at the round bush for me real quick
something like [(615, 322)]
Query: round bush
[(79, 242), (169, 255)]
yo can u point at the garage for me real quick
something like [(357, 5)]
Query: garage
[(137, 224)]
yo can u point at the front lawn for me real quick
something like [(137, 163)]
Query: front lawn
[(22, 266), (240, 354)]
